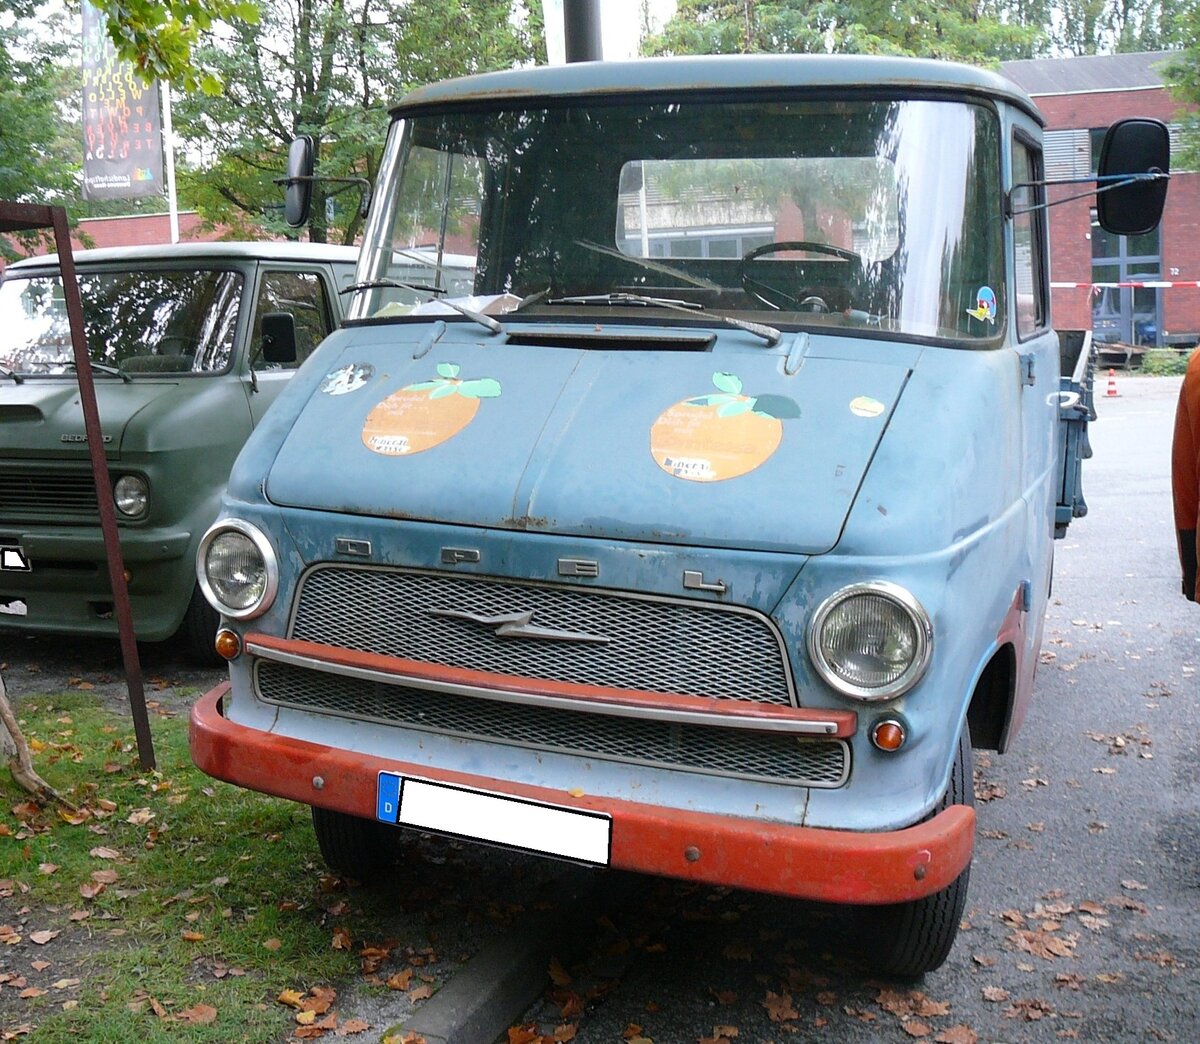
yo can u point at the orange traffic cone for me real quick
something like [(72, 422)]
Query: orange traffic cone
[(1112, 392)]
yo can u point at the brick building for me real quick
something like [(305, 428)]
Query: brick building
[(1080, 97)]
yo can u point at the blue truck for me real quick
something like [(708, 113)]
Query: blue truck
[(713, 529)]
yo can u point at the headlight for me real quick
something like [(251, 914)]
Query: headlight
[(870, 641), (131, 495), (238, 569)]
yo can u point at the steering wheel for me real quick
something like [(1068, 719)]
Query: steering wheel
[(802, 301)]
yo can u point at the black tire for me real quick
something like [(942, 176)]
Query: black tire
[(354, 847), (198, 629), (906, 940)]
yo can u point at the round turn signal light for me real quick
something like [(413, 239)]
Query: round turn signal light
[(227, 644), (888, 735)]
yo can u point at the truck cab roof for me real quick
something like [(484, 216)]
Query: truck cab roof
[(840, 73), (192, 252)]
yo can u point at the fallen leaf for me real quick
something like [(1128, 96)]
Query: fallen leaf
[(64, 984), (402, 980), (1134, 886), (524, 1034), (30, 992), (959, 1034), (351, 1026), (272, 944), (42, 937), (105, 877), (341, 939), (916, 1029), (291, 998), (558, 974), (319, 1000), (779, 1007), (198, 1015), (105, 853), (47, 868), (1046, 945), (995, 994), (192, 936), (420, 993)]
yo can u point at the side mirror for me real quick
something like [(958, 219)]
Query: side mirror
[(298, 192), (1131, 147), (279, 337)]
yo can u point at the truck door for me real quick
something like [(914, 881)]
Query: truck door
[(306, 296), (1038, 373)]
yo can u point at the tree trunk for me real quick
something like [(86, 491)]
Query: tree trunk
[(16, 754)]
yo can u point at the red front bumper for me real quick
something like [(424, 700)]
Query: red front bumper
[(836, 866)]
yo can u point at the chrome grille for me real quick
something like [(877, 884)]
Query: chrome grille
[(656, 644), (68, 496), (694, 748)]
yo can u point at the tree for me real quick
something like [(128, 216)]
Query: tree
[(1110, 26), (980, 31), (1182, 76), (160, 36), (39, 154), (330, 69)]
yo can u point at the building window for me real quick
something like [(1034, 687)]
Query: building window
[(1123, 313), (1028, 240)]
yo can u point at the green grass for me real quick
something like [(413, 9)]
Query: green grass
[(202, 857)]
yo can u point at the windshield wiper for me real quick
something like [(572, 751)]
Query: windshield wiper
[(649, 265), (486, 321), (393, 284), (767, 333), (112, 371), (626, 298), (16, 377)]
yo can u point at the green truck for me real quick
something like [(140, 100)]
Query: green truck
[(183, 373)]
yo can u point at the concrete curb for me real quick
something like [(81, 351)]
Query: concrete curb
[(501, 981)]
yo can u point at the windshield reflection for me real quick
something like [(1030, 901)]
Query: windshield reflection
[(840, 214), (139, 322)]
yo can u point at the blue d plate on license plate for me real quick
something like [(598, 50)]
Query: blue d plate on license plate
[(498, 819)]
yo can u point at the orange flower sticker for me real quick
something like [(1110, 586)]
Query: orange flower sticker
[(721, 436), (421, 416)]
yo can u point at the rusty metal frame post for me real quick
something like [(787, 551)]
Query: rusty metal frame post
[(23, 216)]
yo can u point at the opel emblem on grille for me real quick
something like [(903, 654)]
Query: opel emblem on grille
[(520, 625)]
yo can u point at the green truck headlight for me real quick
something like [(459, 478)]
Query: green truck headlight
[(131, 495), (870, 641), (238, 569)]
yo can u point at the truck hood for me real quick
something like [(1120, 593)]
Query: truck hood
[(717, 448), (41, 417)]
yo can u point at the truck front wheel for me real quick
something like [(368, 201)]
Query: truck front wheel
[(355, 847), (199, 628), (906, 940)]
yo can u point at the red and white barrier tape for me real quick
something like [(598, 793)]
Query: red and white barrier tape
[(1155, 284)]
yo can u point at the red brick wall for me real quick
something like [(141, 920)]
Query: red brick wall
[(142, 230), (1070, 223)]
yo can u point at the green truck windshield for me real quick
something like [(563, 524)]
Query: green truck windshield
[(139, 321), (866, 213)]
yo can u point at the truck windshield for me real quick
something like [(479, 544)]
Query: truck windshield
[(881, 214), (139, 322)]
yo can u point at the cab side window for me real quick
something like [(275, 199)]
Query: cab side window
[(303, 296), (1028, 240)]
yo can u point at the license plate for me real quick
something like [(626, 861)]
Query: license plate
[(530, 826), (13, 558)]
